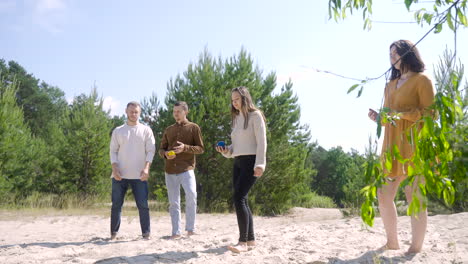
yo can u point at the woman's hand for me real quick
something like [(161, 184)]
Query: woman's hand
[(258, 172), (373, 115), (223, 150)]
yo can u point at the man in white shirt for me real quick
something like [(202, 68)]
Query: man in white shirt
[(131, 152)]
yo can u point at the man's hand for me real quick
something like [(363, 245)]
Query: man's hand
[(144, 175), (179, 148), (169, 157), (258, 172), (116, 172)]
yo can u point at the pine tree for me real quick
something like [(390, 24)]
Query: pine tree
[(17, 148), (86, 150)]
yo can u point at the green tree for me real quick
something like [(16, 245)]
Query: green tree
[(453, 124), (41, 103), (339, 175), (22, 156), (85, 153), (355, 182)]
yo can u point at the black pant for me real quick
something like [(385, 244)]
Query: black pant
[(243, 180)]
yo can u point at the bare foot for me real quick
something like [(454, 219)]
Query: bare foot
[(240, 247), (175, 237), (390, 247), (251, 244), (412, 250)]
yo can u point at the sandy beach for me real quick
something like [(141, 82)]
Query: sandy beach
[(303, 236)]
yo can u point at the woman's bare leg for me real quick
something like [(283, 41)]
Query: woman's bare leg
[(386, 195), (418, 222)]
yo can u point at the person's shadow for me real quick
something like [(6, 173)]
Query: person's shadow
[(373, 256), (166, 257), (95, 240)]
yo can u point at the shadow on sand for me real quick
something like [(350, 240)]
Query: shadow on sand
[(166, 257), (373, 256), (95, 240)]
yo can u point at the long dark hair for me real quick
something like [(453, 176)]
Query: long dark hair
[(247, 106), (410, 60)]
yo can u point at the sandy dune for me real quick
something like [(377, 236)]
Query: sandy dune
[(304, 236)]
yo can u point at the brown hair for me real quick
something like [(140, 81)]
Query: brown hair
[(410, 60), (134, 103), (247, 106), (183, 104)]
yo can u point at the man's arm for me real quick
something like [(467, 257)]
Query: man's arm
[(114, 157), (164, 145), (198, 148), (150, 147)]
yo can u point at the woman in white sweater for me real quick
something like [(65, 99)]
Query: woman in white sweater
[(248, 149)]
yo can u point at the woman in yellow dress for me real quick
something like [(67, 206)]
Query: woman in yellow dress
[(408, 94)]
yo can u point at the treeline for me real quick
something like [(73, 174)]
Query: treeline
[(47, 145), (53, 148)]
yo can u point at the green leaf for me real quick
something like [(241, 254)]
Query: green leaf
[(366, 21), (352, 88), (410, 170), (362, 3), (396, 153), (428, 18), (373, 192), (449, 21), (408, 4), (365, 189), (388, 162), (462, 17), (419, 16), (447, 196), (360, 92), (367, 213), (369, 6), (438, 28)]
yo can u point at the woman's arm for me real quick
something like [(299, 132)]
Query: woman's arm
[(260, 138)]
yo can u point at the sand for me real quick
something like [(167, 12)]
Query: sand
[(304, 236)]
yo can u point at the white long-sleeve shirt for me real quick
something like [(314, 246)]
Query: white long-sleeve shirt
[(131, 147), (249, 141)]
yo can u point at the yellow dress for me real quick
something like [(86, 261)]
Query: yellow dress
[(411, 100)]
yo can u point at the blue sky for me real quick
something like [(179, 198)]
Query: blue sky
[(130, 49)]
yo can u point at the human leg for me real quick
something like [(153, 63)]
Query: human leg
[(173, 182), (190, 188), (386, 196), (119, 188), (418, 221), (140, 192)]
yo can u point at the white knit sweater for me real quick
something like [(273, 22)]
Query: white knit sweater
[(131, 147), (249, 141)]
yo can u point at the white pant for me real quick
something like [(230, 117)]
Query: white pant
[(173, 182)]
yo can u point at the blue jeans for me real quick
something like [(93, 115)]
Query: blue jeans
[(173, 182), (140, 192)]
